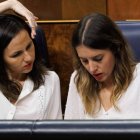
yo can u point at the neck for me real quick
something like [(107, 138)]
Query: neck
[(105, 96), (108, 84), (18, 78)]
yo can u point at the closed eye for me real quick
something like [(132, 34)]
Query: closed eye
[(29, 46), (16, 54), (84, 61), (97, 58)]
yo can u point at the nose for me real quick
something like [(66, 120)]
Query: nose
[(93, 67), (27, 57)]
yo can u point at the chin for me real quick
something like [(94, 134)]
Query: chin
[(27, 71), (101, 80)]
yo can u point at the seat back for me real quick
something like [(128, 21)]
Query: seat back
[(131, 31)]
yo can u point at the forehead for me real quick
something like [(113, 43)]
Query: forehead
[(21, 39), (84, 51)]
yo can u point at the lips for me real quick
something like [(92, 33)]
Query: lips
[(98, 76), (28, 65)]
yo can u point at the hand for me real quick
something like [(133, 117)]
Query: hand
[(22, 10)]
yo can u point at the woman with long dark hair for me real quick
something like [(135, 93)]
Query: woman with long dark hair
[(27, 89)]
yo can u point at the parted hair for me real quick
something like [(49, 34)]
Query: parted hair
[(98, 31)]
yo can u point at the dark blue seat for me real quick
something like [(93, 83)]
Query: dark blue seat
[(76, 129), (131, 31)]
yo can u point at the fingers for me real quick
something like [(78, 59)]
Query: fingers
[(33, 32), (36, 18), (33, 25), (32, 19)]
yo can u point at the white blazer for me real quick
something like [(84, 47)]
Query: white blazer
[(43, 103)]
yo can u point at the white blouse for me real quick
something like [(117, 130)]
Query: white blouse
[(43, 103), (129, 103)]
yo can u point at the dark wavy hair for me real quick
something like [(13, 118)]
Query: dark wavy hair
[(97, 31), (10, 26)]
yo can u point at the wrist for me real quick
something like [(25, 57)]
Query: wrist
[(11, 3)]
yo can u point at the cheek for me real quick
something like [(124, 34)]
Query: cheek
[(13, 64), (33, 56), (32, 53), (109, 64), (12, 67)]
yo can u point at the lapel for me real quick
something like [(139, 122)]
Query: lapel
[(6, 106), (27, 89)]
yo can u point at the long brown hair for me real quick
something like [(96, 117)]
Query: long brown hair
[(98, 31)]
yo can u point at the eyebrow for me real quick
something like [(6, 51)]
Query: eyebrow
[(94, 57), (18, 51), (29, 44)]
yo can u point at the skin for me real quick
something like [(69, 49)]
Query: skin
[(100, 64), (19, 56)]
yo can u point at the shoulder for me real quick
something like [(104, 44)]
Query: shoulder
[(72, 84), (73, 75), (136, 76), (52, 78), (52, 82), (52, 75), (137, 70), (138, 66)]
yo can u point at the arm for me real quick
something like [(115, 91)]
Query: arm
[(16, 6)]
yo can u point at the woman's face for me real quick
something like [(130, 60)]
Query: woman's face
[(19, 55), (99, 63)]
